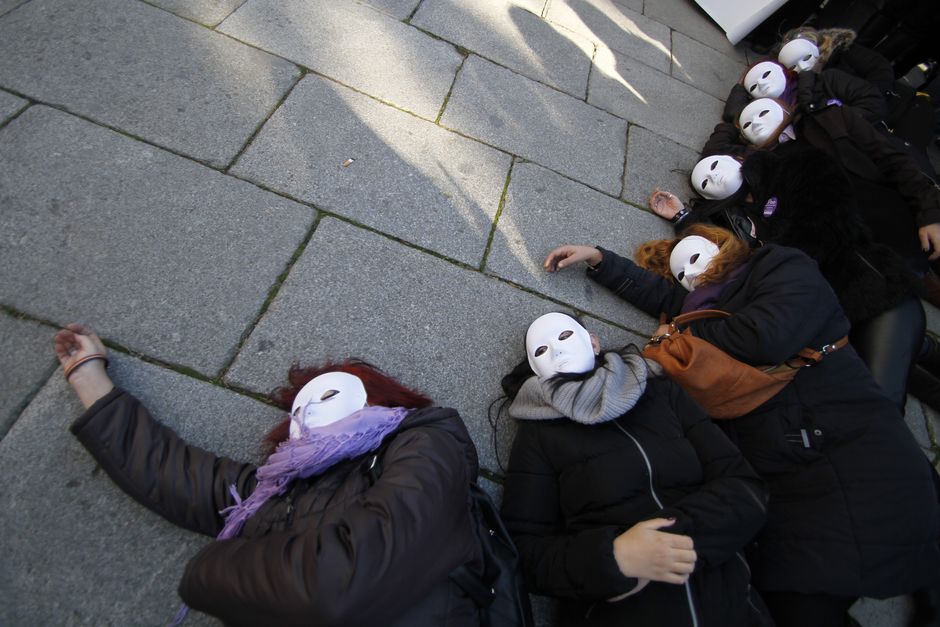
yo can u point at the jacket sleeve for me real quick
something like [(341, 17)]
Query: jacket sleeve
[(648, 292), (782, 315), (730, 507), (725, 140), (738, 98), (374, 559), (871, 66), (921, 194), (815, 90), (556, 562), (185, 484)]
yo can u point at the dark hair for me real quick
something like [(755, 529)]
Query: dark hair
[(381, 389)]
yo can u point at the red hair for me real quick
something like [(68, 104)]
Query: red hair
[(381, 389)]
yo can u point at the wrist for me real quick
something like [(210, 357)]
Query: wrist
[(595, 259), (90, 381), (681, 215)]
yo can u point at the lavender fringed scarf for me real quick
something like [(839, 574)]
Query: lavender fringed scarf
[(315, 451)]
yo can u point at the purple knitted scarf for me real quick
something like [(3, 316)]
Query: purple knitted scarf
[(315, 451)]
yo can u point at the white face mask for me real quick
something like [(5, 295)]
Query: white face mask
[(690, 258), (556, 343), (717, 177), (799, 55), (765, 80), (326, 399), (760, 120)]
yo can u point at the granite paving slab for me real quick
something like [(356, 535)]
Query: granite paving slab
[(512, 36), (529, 119), (399, 9), (654, 161), (407, 176), (651, 99), (614, 26), (144, 71), (917, 422), (544, 210), (163, 255), (76, 549), (432, 325), (705, 68), (10, 105), (354, 44), (26, 361), (687, 18), (893, 612), (208, 12)]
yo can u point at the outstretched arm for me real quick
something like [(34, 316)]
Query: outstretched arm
[(184, 484)]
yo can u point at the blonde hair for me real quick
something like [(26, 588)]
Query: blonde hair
[(732, 253)]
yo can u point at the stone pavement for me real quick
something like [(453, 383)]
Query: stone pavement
[(224, 187)]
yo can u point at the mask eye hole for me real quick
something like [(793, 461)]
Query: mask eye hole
[(714, 165), (540, 350), (765, 74), (704, 183), (753, 87), (763, 113), (746, 124), (329, 394), (808, 57), (693, 258), (680, 276), (564, 335)]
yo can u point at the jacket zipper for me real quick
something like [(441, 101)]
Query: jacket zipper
[(649, 472)]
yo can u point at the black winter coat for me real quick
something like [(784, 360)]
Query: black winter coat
[(853, 504), (572, 488), (816, 212), (893, 196), (332, 550)]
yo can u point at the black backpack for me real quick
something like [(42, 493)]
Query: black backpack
[(500, 593)]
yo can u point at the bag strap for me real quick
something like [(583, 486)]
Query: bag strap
[(701, 314), (814, 356)]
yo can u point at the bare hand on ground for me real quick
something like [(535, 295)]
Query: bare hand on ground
[(665, 204), (569, 254), (930, 239), (644, 552), (90, 380)]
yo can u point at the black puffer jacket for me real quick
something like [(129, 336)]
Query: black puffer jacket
[(572, 488), (853, 504), (814, 210), (333, 550)]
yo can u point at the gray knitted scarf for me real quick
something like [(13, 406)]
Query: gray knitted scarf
[(608, 393)]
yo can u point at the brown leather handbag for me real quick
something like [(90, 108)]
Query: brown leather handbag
[(722, 385)]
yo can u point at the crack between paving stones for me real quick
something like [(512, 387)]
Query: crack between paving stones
[(30, 397), (450, 91), (499, 212), (180, 369), (2, 15), (587, 84), (6, 122), (257, 131), (626, 149), (408, 19), (272, 294)]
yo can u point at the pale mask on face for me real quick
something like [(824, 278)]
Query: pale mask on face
[(326, 399), (717, 177), (690, 258), (760, 120), (557, 343), (799, 55), (765, 80)]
